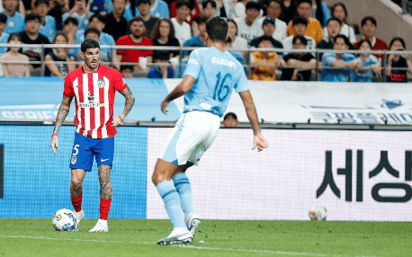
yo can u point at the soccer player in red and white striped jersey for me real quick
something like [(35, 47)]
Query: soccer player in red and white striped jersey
[(93, 86)]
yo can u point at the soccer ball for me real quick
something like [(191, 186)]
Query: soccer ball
[(318, 212), (65, 220)]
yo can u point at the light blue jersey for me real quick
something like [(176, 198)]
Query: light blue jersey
[(83, 20), (367, 76), (4, 37), (217, 74), (15, 24), (49, 29)]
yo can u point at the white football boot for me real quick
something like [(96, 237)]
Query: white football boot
[(101, 226), (193, 222), (79, 216), (178, 236)]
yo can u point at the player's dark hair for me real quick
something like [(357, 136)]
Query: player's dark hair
[(334, 19), (345, 38), (343, 7), (302, 39), (39, 2), (397, 39), (91, 30), (230, 114), (71, 20), (99, 17), (32, 17), (216, 28), (205, 4), (155, 31), (89, 43), (3, 18), (368, 18), (299, 20), (134, 19)]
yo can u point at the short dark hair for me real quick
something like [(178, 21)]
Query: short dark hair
[(71, 20), (302, 39), (363, 41), (126, 67), (345, 38), (138, 2), (201, 19), (252, 5), (3, 18), (32, 17), (39, 2), (334, 19), (230, 114), (205, 3), (368, 18), (99, 17), (92, 30), (89, 43), (181, 3), (299, 20), (134, 19), (14, 35), (397, 39), (216, 28), (303, 1), (265, 38)]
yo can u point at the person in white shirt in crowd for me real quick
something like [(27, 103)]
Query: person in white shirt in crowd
[(274, 10), (339, 11), (232, 33), (249, 26), (182, 28), (299, 25)]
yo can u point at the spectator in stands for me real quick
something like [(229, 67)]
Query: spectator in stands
[(237, 55), (232, 32), (93, 33), (58, 63), (182, 28), (225, 9), (3, 35), (194, 10), (341, 63), (264, 64), (136, 38), (298, 65), (230, 120), (149, 21), (249, 27), (398, 64), (71, 29), (240, 8), (333, 28), (158, 9), (201, 39), (209, 10), (56, 10), (48, 23), (339, 11), (129, 11), (274, 11), (15, 64), (15, 21), (127, 71), (81, 12), (368, 64), (116, 24), (32, 36), (161, 68), (322, 13), (163, 34), (314, 30), (268, 27), (289, 11), (368, 27), (300, 25)]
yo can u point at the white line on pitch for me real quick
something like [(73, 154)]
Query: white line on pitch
[(181, 246)]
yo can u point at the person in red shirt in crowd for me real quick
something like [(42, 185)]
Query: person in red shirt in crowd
[(138, 57), (194, 13), (368, 27)]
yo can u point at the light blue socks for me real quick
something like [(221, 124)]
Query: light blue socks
[(182, 185), (172, 203)]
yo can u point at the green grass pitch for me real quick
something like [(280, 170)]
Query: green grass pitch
[(36, 237)]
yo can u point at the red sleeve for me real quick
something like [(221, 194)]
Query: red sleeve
[(68, 88), (119, 42), (119, 83), (173, 10)]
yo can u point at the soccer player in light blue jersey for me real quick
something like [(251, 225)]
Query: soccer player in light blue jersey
[(210, 76)]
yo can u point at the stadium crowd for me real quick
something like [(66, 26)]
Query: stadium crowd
[(270, 29)]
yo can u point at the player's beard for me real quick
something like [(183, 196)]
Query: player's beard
[(93, 64)]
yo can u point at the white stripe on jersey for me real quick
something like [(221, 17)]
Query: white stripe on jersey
[(96, 95), (76, 92), (86, 99), (106, 110)]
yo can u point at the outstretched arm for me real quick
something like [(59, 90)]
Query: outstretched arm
[(119, 119), (259, 140), (179, 90), (61, 117)]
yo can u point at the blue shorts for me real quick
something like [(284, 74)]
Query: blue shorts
[(84, 149)]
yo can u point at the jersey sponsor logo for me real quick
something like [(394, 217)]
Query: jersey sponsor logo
[(92, 105), (194, 61)]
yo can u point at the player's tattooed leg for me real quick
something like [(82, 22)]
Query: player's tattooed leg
[(106, 188)]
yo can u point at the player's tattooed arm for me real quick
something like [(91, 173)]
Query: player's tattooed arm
[(62, 113), (128, 95), (106, 188)]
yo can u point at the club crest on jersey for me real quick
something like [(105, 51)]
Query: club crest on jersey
[(100, 83), (73, 160)]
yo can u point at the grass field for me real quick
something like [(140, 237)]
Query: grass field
[(36, 237)]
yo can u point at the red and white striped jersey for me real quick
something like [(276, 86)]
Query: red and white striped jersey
[(94, 98)]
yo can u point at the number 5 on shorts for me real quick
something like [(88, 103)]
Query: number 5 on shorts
[(74, 157)]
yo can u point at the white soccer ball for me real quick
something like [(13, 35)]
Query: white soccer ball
[(318, 212), (65, 220)]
